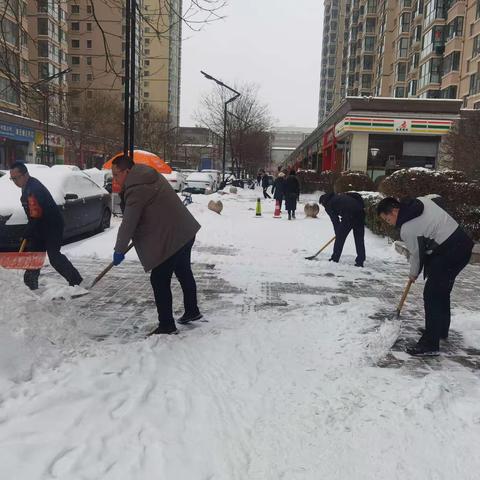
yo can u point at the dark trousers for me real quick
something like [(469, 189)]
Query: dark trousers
[(265, 194), (291, 202), (341, 233), (51, 243), (441, 270), (280, 200), (161, 278)]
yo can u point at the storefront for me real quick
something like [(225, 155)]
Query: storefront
[(16, 143), (52, 154)]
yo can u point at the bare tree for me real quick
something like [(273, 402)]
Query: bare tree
[(462, 144), (248, 125)]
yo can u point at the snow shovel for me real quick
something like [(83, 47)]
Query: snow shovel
[(404, 297), (22, 260), (106, 270), (321, 250)]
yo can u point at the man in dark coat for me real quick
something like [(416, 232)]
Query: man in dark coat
[(163, 233), (438, 246), (292, 193), (44, 232), (347, 212), (265, 185), (278, 188)]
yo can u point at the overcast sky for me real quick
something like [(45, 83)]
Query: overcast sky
[(274, 43)]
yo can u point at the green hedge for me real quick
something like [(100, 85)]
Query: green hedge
[(311, 182), (350, 181)]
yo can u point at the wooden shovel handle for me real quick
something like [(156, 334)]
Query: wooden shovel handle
[(23, 245), (106, 269), (404, 296)]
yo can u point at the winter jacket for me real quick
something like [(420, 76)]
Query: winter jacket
[(265, 181), (278, 188), (292, 187), (44, 215), (348, 206), (426, 228), (154, 218)]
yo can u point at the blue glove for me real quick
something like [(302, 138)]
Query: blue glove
[(118, 258)]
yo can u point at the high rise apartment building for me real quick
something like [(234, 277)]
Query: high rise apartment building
[(162, 55), (400, 48)]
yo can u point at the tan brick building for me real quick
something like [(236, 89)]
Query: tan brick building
[(400, 48)]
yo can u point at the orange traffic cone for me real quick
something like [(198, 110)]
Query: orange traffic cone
[(276, 213)]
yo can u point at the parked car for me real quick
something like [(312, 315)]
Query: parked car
[(176, 180), (86, 207), (199, 182), (2, 173), (216, 174)]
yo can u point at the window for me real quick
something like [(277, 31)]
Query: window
[(403, 47), (449, 92), (146, 84), (89, 9), (42, 26), (476, 46), (75, 43), (146, 94), (474, 84), (147, 41), (430, 72), (89, 77), (146, 51), (451, 63), (42, 6), (89, 44), (7, 92), (434, 9), (75, 60), (146, 63), (433, 41), (43, 70), (412, 88), (89, 27), (477, 11), (9, 30), (399, 92), (42, 49), (454, 28), (89, 60), (370, 25), (75, 26), (75, 77), (368, 62), (405, 22), (89, 94), (401, 71), (75, 9), (367, 81), (369, 44), (146, 73)]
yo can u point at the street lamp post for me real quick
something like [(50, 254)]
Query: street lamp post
[(237, 94)]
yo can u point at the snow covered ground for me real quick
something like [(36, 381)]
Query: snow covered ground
[(290, 378)]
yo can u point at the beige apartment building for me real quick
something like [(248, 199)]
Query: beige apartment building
[(162, 39), (402, 49)]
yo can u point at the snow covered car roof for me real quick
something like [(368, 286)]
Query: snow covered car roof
[(199, 176), (59, 182)]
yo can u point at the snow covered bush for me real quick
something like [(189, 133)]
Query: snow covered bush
[(372, 221), (349, 181), (460, 197), (314, 182)]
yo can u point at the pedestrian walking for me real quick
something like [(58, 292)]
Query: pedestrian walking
[(265, 185), (347, 212), (163, 233), (438, 246), (278, 188), (259, 177), (44, 232), (292, 193)]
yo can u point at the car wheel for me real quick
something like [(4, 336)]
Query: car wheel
[(105, 223)]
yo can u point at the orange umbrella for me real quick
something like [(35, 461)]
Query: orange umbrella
[(147, 158)]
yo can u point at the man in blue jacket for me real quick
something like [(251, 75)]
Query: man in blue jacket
[(44, 230), (347, 212)]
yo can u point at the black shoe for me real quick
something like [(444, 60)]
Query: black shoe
[(293, 214), (163, 331), (421, 330), (422, 350), (186, 318), (333, 260), (359, 264), (289, 216)]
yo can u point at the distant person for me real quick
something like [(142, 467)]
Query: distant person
[(278, 188), (292, 193), (163, 233), (44, 232), (265, 185), (259, 177), (438, 246), (347, 212)]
